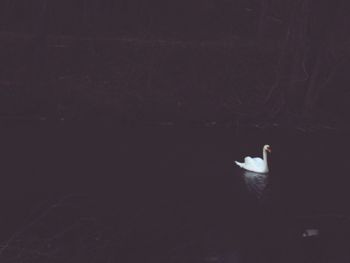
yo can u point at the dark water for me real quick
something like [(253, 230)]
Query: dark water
[(88, 194)]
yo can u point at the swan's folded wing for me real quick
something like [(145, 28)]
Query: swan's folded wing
[(249, 161), (253, 164), (258, 161)]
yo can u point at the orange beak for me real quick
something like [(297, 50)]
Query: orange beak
[(269, 150)]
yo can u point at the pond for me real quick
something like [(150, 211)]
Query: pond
[(114, 194)]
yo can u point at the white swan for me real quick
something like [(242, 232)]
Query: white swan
[(257, 165)]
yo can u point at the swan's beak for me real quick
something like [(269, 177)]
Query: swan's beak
[(269, 150)]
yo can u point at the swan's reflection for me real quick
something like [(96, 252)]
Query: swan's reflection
[(256, 182)]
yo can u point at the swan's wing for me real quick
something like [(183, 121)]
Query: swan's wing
[(250, 163), (253, 163), (258, 162), (249, 160)]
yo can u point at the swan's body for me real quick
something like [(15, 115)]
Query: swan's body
[(257, 164)]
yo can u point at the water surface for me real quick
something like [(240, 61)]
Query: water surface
[(167, 194)]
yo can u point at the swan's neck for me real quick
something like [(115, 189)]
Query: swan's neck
[(265, 157)]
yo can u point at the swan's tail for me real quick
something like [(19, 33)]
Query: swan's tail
[(239, 164)]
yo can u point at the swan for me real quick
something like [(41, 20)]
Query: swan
[(256, 165)]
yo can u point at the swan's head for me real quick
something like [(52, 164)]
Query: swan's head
[(267, 148)]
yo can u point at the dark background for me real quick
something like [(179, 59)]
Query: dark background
[(121, 120), (176, 61)]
